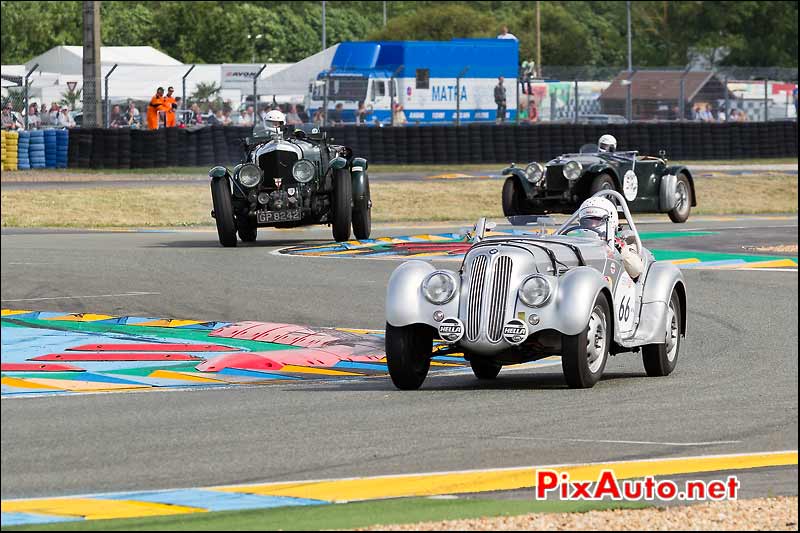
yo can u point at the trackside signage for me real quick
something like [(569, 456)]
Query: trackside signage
[(238, 76)]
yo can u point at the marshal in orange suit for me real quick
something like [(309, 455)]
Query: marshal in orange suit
[(156, 105)]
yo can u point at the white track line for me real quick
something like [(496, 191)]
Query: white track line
[(79, 297), (625, 441)]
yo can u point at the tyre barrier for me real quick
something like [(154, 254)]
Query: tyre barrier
[(442, 145), (10, 150)]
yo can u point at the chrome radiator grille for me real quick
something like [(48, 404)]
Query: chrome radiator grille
[(475, 300), (501, 274)]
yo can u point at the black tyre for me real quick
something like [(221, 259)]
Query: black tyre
[(683, 206), (485, 368), (512, 198), (342, 205), (584, 356), (362, 217), (223, 211), (660, 359), (601, 182), (247, 229), (408, 354)]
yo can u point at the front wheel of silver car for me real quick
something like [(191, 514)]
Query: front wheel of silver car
[(485, 369), (408, 354), (660, 359), (683, 200), (584, 356), (342, 205)]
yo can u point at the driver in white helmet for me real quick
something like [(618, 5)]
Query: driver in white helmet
[(607, 143), (600, 216), (275, 120)]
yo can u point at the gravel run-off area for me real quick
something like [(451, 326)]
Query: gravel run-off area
[(762, 514)]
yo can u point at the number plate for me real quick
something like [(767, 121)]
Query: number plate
[(287, 215)]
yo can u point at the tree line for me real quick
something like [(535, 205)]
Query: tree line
[(743, 33)]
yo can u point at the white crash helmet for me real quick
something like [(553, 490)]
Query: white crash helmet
[(600, 216), (275, 119), (607, 143)]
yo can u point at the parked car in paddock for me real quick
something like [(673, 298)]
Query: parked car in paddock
[(650, 184), (584, 292), (291, 179)]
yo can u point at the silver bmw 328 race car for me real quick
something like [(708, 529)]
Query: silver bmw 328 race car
[(584, 292)]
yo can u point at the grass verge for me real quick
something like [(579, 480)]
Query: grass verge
[(395, 202), (339, 516)]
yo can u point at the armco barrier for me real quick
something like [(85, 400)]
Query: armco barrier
[(442, 145)]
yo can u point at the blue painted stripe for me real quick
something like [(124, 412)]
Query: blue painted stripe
[(364, 366), (712, 263), (213, 500), (447, 358), (22, 519), (254, 373)]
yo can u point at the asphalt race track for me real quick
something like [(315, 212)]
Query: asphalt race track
[(734, 390)]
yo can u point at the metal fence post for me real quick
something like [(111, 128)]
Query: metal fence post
[(576, 101), (107, 109), (727, 100), (183, 88), (681, 95), (392, 93), (325, 100), (27, 104), (629, 99), (458, 96), (766, 104), (255, 92)]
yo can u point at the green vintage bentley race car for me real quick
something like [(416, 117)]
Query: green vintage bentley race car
[(289, 179), (650, 184)]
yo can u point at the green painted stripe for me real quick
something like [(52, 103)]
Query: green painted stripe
[(672, 255), (655, 235)]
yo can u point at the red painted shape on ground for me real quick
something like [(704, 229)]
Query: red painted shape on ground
[(117, 356), (152, 347), (246, 361), (289, 334), (308, 357), (38, 367)]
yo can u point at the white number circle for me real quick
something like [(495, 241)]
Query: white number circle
[(630, 185)]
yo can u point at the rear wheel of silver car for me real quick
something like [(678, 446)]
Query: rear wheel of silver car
[(223, 211), (512, 198), (342, 204), (248, 230), (683, 200), (660, 359), (584, 356), (602, 182), (408, 354), (485, 369), (362, 217)]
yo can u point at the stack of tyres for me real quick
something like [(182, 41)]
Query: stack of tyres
[(36, 149), (3, 135), (111, 148), (451, 144), (462, 150), (363, 147), (137, 148), (97, 157), (124, 140), (23, 148), (62, 148), (389, 145), (173, 153), (377, 145), (441, 146), (427, 147), (50, 148), (205, 147), (188, 143), (10, 150), (149, 145), (511, 141), (159, 148), (413, 144), (401, 145), (220, 146)]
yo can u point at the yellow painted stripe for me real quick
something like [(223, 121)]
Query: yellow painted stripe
[(437, 363), (84, 386), (341, 252), (508, 479), (361, 331), (771, 264), (81, 317), (10, 312), (454, 175), (684, 261), (95, 509), (19, 382), (321, 371), (170, 323), (184, 376)]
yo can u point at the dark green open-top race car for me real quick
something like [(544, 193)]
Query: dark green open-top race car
[(291, 181), (649, 184)]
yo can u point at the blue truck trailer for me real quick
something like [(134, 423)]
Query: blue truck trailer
[(431, 80)]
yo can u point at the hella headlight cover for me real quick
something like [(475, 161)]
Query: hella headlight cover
[(534, 172), (248, 175), (572, 170), (535, 291), (439, 287), (303, 171)]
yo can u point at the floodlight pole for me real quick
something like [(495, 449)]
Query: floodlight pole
[(108, 112), (630, 55), (255, 92), (324, 39)]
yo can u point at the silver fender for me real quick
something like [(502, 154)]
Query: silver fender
[(662, 279), (577, 292), (405, 304)]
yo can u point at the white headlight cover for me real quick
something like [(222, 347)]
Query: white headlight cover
[(303, 171), (534, 172), (535, 291), (572, 170), (439, 287), (249, 175)]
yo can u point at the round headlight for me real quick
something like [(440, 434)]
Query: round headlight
[(534, 172), (439, 287), (303, 171), (572, 170), (535, 291), (249, 175)]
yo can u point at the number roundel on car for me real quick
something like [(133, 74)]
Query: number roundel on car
[(630, 185)]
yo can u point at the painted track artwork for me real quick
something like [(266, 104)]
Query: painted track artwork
[(46, 353)]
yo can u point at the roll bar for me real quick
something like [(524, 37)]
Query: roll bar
[(614, 195)]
